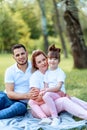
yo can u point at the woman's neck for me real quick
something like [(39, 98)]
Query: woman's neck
[(42, 71)]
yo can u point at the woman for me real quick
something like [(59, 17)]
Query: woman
[(73, 105), (40, 66)]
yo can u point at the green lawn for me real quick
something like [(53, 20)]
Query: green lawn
[(5, 61), (76, 80)]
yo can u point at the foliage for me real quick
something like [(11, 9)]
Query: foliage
[(20, 21), (32, 20), (8, 33), (22, 30)]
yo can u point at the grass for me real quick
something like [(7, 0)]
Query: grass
[(6, 61), (76, 79)]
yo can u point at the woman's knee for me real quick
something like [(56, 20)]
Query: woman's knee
[(65, 98)]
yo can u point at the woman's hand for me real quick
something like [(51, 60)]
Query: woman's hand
[(34, 92)]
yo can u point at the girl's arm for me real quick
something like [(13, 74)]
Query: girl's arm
[(56, 88)]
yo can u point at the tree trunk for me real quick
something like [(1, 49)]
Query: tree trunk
[(44, 25), (79, 49), (60, 30)]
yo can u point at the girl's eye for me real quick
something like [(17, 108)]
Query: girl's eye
[(39, 62), (55, 58), (44, 59)]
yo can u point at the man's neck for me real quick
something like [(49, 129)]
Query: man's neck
[(23, 67)]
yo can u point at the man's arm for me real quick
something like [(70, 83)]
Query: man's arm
[(19, 96)]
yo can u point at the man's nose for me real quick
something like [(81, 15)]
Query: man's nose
[(20, 56)]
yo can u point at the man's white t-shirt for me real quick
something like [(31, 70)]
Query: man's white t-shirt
[(19, 78)]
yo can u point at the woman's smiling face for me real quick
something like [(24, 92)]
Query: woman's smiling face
[(41, 63)]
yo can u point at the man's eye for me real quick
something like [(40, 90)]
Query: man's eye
[(17, 55), (22, 53)]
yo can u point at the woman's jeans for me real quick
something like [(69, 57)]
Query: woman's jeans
[(11, 108)]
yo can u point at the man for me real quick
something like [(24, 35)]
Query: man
[(14, 101)]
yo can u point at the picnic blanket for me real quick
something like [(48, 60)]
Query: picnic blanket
[(28, 122)]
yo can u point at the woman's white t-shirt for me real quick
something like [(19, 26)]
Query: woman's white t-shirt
[(36, 80)]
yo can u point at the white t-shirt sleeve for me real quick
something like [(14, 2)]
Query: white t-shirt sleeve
[(34, 81), (9, 78)]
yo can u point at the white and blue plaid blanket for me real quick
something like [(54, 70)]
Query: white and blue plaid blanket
[(27, 122)]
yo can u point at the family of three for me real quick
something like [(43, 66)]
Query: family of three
[(40, 84)]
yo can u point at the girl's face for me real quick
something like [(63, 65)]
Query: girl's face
[(41, 63), (53, 63)]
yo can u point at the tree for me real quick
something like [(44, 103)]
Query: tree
[(60, 29), (78, 47), (44, 25)]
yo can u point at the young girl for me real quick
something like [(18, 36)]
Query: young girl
[(54, 87)]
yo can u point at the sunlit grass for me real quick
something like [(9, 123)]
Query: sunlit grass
[(76, 79), (76, 83), (66, 63), (5, 61)]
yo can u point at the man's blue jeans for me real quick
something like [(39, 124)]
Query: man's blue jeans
[(11, 108)]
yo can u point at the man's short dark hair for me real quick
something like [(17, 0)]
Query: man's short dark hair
[(16, 46)]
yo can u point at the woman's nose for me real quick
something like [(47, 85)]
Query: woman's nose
[(43, 62)]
